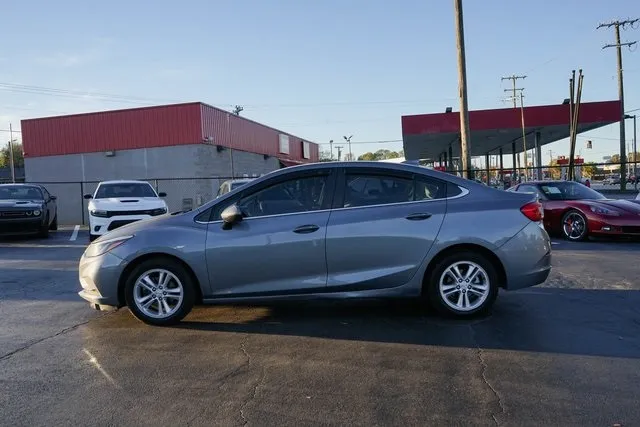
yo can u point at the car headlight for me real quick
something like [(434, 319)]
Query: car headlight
[(101, 247), (604, 211), (99, 213), (36, 213)]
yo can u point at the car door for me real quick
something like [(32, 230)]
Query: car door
[(279, 246), (382, 226)]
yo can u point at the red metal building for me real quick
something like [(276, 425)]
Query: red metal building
[(160, 126)]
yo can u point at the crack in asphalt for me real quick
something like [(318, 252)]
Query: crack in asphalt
[(243, 347), (483, 374), (27, 346)]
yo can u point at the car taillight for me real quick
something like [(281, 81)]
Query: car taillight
[(533, 211)]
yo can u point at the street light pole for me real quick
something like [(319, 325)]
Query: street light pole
[(635, 150), (11, 164), (349, 142), (331, 149)]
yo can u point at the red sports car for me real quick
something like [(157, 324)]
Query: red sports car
[(577, 212)]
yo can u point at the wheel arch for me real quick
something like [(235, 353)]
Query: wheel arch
[(155, 255), (462, 247)]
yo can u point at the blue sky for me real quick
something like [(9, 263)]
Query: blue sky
[(318, 69)]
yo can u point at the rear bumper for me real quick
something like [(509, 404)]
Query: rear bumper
[(526, 258)]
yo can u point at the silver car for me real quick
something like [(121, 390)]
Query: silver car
[(326, 230)]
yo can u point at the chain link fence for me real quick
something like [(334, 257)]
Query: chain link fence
[(182, 194), (189, 193)]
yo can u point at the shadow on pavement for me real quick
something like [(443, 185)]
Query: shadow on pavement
[(578, 322)]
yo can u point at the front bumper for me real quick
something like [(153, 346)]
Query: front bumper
[(99, 278), (19, 226), (526, 257), (99, 226), (615, 226)]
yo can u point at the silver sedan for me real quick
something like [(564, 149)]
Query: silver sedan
[(326, 230)]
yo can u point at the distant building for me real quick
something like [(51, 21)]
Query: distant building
[(179, 147)]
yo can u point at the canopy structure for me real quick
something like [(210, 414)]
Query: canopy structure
[(430, 136)]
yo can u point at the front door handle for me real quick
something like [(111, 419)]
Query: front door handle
[(418, 216), (305, 229)]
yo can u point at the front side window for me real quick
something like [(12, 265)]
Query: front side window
[(297, 195), (121, 190)]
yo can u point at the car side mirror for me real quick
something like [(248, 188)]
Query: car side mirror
[(162, 194), (88, 196), (54, 197), (231, 215)]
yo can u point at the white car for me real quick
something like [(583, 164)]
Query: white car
[(231, 185), (117, 203)]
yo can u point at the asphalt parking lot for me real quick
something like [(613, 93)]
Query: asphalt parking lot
[(563, 353)]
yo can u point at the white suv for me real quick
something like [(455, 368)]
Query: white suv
[(117, 203)]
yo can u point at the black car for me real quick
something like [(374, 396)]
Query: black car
[(27, 209)]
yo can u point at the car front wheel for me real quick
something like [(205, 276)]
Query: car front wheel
[(160, 292), (463, 284)]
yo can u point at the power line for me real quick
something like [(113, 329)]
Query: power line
[(388, 141), (618, 45)]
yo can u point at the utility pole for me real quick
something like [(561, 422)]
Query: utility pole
[(11, 164), (513, 79), (339, 148), (349, 142), (331, 149), (618, 45), (465, 137), (524, 133)]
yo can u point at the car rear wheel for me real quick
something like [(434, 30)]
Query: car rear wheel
[(463, 284), (574, 226), (160, 292)]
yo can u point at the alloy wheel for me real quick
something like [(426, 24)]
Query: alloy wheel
[(158, 293), (574, 226), (464, 286)]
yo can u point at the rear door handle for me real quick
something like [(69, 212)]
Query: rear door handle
[(418, 216), (305, 229)]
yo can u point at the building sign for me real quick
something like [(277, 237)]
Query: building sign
[(284, 143)]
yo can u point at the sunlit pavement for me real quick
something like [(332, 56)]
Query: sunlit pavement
[(564, 353)]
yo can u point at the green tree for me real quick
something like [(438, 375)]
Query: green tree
[(381, 154), (18, 156), (589, 170), (325, 156)]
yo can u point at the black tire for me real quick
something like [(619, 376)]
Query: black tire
[(44, 230), (576, 217), (175, 268), (487, 271), (93, 237), (54, 223)]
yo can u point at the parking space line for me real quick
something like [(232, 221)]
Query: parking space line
[(74, 235)]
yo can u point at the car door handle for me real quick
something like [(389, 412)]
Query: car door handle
[(418, 216), (304, 229)]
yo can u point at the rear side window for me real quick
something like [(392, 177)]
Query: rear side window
[(429, 189), (368, 190)]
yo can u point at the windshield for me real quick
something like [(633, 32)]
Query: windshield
[(20, 192), (106, 191), (569, 191)]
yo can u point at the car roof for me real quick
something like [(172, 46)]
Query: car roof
[(123, 181), (21, 184)]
